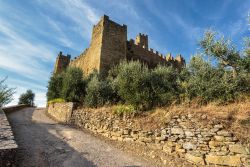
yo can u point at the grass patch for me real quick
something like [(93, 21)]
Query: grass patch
[(57, 100), (123, 109)]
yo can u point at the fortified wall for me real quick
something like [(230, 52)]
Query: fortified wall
[(109, 45)]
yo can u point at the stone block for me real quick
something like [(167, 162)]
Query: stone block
[(224, 133), (223, 160), (195, 159), (189, 146), (168, 149), (177, 131), (219, 138), (189, 133), (238, 148)]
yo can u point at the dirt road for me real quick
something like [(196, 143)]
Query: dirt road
[(44, 143)]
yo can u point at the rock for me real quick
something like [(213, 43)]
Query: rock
[(238, 148), (189, 133), (168, 149), (189, 146), (194, 159), (173, 138), (126, 131), (224, 133), (177, 131), (164, 132), (145, 139), (219, 138), (204, 116), (218, 126), (223, 160)]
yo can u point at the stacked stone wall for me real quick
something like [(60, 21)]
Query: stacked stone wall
[(8, 146), (61, 111), (184, 136)]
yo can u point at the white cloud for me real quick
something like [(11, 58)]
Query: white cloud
[(23, 56), (81, 13)]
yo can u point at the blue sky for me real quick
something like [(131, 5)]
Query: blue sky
[(32, 32)]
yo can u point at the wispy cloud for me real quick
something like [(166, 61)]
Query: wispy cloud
[(80, 14)]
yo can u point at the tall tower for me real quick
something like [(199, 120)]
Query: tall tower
[(114, 44), (62, 63), (142, 40)]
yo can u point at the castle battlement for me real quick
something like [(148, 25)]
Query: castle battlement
[(109, 46)]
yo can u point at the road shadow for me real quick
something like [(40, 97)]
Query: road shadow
[(40, 148)]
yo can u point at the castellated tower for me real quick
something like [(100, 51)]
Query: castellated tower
[(109, 45), (62, 63), (142, 40)]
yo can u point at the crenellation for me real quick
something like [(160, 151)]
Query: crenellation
[(109, 46)]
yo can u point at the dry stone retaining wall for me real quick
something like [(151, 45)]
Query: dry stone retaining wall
[(199, 144), (8, 146), (61, 111)]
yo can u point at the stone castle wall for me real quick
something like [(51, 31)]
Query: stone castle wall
[(184, 135), (90, 59), (149, 57), (113, 44), (109, 46), (62, 63)]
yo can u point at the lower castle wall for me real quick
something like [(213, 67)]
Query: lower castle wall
[(182, 136)]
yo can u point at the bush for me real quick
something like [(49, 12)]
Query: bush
[(27, 98), (73, 85), (209, 83), (164, 85), (133, 85), (123, 110), (98, 92), (55, 86)]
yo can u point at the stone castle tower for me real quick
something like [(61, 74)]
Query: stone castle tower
[(109, 45)]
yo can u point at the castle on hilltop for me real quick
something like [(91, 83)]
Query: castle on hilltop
[(109, 45)]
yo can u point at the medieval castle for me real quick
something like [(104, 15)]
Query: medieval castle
[(109, 45)]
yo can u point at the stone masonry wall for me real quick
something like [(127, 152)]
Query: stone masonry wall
[(90, 59), (201, 144), (61, 111), (8, 146)]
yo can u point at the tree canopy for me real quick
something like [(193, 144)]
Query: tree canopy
[(6, 93), (27, 98)]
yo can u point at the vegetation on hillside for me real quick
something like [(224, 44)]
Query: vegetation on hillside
[(220, 74)]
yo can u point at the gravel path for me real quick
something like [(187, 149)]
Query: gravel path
[(44, 143)]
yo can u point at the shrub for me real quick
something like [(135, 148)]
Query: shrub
[(98, 92), (212, 83), (164, 85), (73, 85), (133, 85), (55, 86), (123, 110)]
